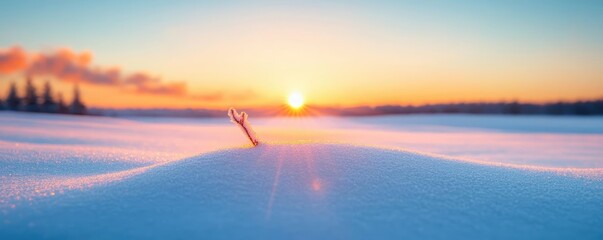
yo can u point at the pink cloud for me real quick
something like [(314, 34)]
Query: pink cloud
[(70, 66), (67, 65), (12, 60)]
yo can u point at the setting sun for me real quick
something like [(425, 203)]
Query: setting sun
[(296, 100)]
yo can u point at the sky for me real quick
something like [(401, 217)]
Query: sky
[(181, 54)]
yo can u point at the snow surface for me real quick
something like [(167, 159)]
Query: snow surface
[(96, 177)]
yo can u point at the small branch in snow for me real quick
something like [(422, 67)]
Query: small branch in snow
[(241, 120)]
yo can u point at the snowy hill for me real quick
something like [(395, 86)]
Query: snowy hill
[(304, 191), (470, 177)]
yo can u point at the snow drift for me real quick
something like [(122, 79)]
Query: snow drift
[(320, 191)]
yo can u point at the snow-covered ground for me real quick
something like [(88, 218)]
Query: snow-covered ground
[(444, 176)]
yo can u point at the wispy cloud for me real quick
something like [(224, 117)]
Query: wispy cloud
[(12, 60), (145, 83), (67, 65), (210, 97), (223, 95)]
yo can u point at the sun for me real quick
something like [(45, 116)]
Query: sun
[(296, 100)]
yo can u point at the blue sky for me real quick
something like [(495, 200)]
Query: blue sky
[(328, 45)]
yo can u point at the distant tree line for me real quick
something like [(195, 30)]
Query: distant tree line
[(582, 108), (578, 108), (46, 103)]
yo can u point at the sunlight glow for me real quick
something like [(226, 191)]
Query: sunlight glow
[(296, 100)]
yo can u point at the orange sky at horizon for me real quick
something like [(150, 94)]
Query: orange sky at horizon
[(111, 97)]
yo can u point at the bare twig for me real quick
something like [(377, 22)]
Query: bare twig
[(241, 120)]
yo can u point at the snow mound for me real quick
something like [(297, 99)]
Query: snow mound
[(320, 191)]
